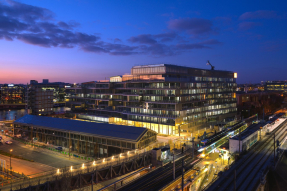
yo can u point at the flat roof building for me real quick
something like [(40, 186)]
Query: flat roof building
[(276, 86), (165, 98), (246, 139), (93, 139)]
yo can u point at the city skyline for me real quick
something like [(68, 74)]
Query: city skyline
[(80, 41)]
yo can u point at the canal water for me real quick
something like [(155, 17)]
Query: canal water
[(16, 114)]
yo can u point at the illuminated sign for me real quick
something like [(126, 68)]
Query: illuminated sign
[(235, 75), (10, 85)]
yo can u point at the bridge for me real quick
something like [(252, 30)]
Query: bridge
[(87, 174)]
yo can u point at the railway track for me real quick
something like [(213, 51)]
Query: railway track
[(249, 167), (160, 177)]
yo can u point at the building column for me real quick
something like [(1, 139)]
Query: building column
[(78, 146), (31, 135), (96, 150), (86, 147)]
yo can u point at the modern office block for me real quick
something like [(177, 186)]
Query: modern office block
[(165, 98)]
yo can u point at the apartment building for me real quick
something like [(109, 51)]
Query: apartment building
[(57, 87), (40, 100), (168, 99)]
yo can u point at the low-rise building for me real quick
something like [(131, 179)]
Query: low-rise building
[(246, 139), (89, 138)]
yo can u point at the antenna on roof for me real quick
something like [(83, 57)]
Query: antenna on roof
[(208, 63)]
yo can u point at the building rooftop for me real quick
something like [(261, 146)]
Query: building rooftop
[(94, 129), (177, 66), (251, 129)]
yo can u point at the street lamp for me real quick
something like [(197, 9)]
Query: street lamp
[(10, 160), (11, 168)]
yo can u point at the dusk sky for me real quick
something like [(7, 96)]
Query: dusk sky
[(81, 40)]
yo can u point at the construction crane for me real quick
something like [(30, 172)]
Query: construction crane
[(208, 63)]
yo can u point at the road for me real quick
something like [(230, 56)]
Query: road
[(26, 167), (38, 154)]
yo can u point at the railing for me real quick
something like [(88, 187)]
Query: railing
[(86, 166)]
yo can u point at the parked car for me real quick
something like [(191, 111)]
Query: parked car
[(8, 142), (59, 148)]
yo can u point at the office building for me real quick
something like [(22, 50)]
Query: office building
[(276, 86), (12, 94), (168, 99)]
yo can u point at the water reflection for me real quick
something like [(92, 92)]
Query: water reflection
[(16, 114)]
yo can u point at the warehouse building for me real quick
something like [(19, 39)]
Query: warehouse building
[(92, 139)]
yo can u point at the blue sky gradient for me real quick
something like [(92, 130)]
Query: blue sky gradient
[(79, 41)]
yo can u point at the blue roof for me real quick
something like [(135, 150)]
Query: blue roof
[(95, 129)]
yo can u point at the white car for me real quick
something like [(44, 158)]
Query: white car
[(8, 142)]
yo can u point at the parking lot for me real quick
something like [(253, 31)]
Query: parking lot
[(36, 154)]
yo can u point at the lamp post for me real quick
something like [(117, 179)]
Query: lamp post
[(10, 160), (11, 168)]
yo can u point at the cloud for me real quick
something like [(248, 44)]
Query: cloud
[(200, 45), (261, 14), (117, 40), (143, 39), (192, 26), (190, 46), (247, 25), (27, 13), (38, 26), (166, 37)]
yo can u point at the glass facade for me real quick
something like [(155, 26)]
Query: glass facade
[(161, 98)]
